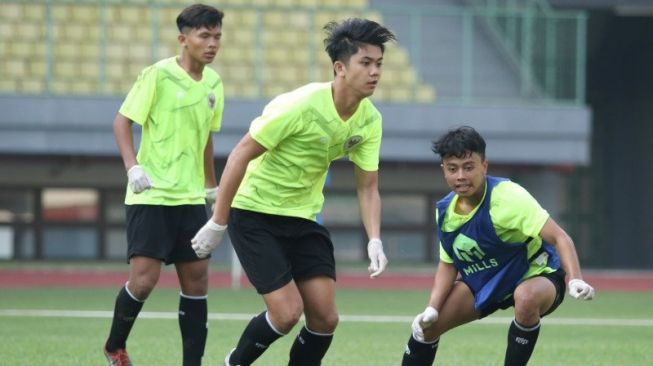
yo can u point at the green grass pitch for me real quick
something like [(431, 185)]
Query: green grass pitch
[(613, 329)]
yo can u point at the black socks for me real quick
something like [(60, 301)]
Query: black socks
[(309, 348), (256, 338), (419, 353), (194, 327), (124, 314), (521, 342)]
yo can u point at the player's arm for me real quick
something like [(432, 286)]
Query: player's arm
[(210, 182), (245, 151), (369, 201), (442, 285), (552, 233), (138, 179), (210, 235), (122, 131)]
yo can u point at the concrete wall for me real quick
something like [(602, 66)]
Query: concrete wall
[(520, 134)]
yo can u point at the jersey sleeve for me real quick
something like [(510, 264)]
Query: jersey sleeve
[(443, 254), (515, 211), (216, 122), (277, 122), (366, 155), (139, 100)]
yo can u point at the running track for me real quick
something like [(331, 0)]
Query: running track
[(630, 281)]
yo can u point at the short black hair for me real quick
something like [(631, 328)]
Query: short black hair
[(459, 143), (345, 38), (198, 16)]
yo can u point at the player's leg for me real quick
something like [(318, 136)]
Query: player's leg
[(256, 238), (146, 246), (193, 280), (457, 309), (143, 275), (314, 339), (284, 308), (314, 270), (193, 317), (533, 297)]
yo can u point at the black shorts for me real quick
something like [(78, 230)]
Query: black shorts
[(274, 250), (163, 232), (558, 280)]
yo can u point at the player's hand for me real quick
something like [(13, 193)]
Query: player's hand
[(424, 320), (138, 179), (211, 194), (378, 261), (579, 289), (207, 238)]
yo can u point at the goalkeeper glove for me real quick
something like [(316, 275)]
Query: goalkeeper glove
[(423, 320), (207, 238), (211, 194), (579, 289), (378, 261), (138, 179)]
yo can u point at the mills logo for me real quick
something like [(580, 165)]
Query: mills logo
[(468, 250)]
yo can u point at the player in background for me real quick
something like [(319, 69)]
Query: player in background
[(271, 192), (178, 102), (498, 248)]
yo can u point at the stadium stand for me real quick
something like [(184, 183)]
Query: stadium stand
[(98, 47), (66, 66)]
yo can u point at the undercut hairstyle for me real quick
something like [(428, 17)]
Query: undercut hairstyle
[(198, 16), (460, 143), (344, 39)]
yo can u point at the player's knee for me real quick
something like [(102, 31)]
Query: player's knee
[(323, 324), (526, 305), (194, 289), (142, 286), (331, 322), (431, 333), (285, 319)]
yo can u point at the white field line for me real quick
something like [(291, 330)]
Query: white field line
[(345, 318)]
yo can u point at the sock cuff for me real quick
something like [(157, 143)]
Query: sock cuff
[(201, 297), (267, 319), (317, 333), (435, 342), (130, 294), (526, 328)]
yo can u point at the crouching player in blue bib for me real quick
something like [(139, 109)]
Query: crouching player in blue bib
[(498, 248)]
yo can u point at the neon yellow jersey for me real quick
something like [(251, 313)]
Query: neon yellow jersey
[(515, 215), (177, 114), (303, 134)]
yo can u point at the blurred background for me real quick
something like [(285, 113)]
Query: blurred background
[(560, 89)]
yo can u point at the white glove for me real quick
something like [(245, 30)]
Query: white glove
[(207, 238), (378, 261), (138, 180), (211, 194), (424, 320), (579, 289)]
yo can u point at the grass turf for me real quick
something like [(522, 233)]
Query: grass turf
[(56, 340)]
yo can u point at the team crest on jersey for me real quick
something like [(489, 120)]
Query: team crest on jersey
[(211, 100), (353, 141)]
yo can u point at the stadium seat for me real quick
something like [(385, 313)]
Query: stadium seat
[(15, 68), (32, 85), (11, 11), (124, 37), (37, 68)]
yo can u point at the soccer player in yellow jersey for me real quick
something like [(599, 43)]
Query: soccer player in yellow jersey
[(178, 102), (506, 249), (271, 192)]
